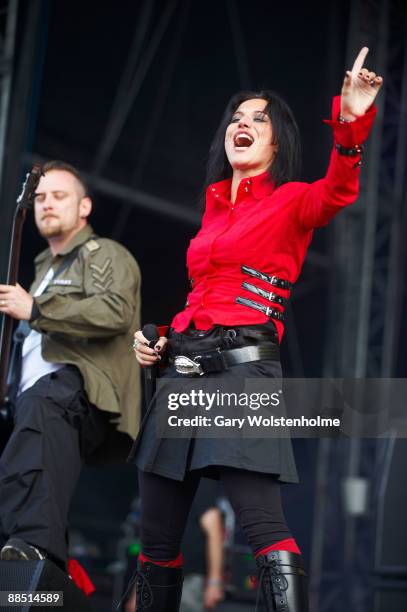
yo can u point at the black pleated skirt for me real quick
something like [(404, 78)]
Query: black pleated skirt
[(174, 457)]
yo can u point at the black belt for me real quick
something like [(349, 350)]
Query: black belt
[(267, 295), (273, 280), (218, 361), (267, 310)]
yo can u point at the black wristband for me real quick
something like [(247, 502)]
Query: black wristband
[(35, 312), (350, 151)]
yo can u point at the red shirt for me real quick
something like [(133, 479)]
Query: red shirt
[(267, 229)]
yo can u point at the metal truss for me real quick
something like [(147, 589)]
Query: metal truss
[(131, 84), (8, 20), (17, 72), (156, 114), (133, 197), (366, 299)]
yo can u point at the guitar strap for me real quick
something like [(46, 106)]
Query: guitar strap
[(21, 332)]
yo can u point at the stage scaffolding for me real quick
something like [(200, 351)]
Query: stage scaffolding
[(368, 264), (22, 28), (8, 22)]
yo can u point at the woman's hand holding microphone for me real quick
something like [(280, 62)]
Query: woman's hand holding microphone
[(148, 352)]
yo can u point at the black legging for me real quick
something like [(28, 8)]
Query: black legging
[(165, 505)]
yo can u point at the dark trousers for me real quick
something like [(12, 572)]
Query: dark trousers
[(165, 505), (54, 427)]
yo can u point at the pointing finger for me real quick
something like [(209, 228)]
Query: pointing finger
[(359, 61)]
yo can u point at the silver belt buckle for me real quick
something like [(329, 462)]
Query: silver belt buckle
[(186, 366)]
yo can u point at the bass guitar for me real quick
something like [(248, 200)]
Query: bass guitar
[(25, 201)]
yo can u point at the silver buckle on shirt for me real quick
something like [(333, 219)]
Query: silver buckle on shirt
[(188, 367)]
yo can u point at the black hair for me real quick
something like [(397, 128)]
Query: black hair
[(286, 165)]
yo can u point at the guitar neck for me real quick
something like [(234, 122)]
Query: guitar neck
[(6, 330), (25, 200)]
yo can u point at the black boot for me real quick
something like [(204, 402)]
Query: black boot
[(158, 589), (283, 582)]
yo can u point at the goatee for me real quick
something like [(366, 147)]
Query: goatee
[(50, 231)]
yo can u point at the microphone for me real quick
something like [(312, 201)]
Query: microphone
[(150, 332)]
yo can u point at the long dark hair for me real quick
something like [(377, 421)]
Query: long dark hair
[(287, 162)]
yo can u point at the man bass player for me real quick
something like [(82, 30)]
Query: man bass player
[(74, 373)]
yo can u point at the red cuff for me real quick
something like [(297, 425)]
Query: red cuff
[(80, 577), (163, 329), (177, 562), (355, 132)]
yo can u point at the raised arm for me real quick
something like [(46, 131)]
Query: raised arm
[(353, 114)]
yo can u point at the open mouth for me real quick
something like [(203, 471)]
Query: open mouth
[(242, 140)]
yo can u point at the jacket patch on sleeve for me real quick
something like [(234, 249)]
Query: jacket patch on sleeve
[(102, 275), (105, 286), (92, 245), (60, 281)]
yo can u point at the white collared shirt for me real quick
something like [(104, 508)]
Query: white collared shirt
[(34, 366)]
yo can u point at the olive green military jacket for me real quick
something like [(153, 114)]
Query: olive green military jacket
[(87, 317)]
